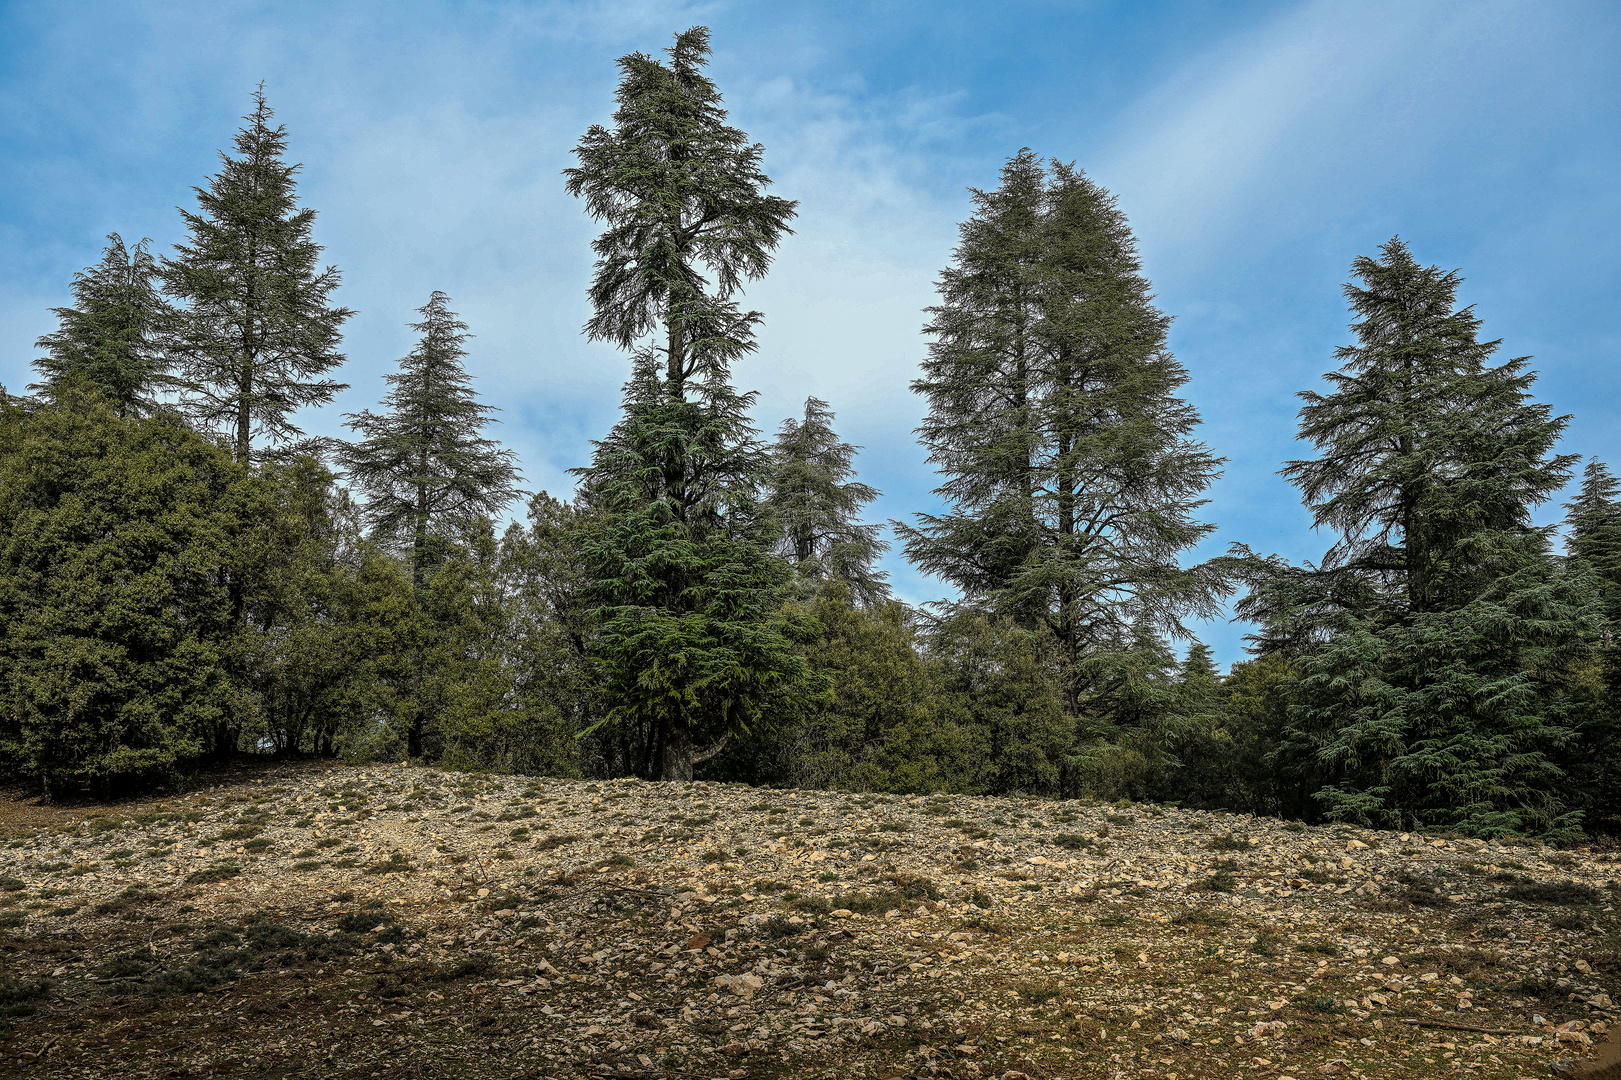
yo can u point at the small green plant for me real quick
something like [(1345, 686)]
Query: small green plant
[(396, 863), (1227, 842), (551, 843), (240, 832), (222, 871), (1223, 878), (1202, 916)]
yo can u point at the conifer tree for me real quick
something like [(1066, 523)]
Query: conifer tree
[(110, 338), (1593, 533), (816, 502), (689, 646), (423, 465), (1069, 462), (1431, 458), (257, 331), (1435, 695)]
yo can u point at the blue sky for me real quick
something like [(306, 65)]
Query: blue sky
[(1257, 148)]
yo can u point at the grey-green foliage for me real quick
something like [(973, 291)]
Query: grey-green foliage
[(679, 192), (423, 466), (1070, 468), (1593, 540), (110, 338), (688, 644), (255, 331), (1438, 640), (1593, 533), (817, 504)]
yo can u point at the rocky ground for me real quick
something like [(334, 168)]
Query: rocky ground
[(407, 922)]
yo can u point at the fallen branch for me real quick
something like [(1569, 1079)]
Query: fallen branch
[(1458, 1027)]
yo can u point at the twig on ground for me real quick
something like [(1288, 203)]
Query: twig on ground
[(1457, 1027)]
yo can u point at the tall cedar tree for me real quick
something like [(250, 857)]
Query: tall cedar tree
[(423, 466), (110, 338), (1070, 466), (257, 330), (1435, 692), (689, 647), (817, 501)]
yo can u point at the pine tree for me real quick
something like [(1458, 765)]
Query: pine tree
[(1435, 696), (424, 467), (1070, 466), (111, 338), (257, 331), (689, 646), (816, 502)]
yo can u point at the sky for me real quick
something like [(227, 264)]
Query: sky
[(1256, 147)]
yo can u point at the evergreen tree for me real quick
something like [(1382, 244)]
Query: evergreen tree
[(1431, 460), (110, 339), (257, 331), (676, 188), (1437, 694), (1593, 541), (1593, 534), (689, 647), (118, 634), (423, 466), (1070, 466), (979, 382), (816, 501)]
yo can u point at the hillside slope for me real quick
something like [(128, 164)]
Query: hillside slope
[(393, 921)]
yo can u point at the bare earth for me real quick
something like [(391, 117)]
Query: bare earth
[(405, 922)]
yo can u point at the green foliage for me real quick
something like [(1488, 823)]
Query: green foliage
[(1004, 689), (1070, 468), (816, 503), (255, 331), (118, 541), (423, 467), (110, 339), (886, 728), (1438, 643)]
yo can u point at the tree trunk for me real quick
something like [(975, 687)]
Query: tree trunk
[(681, 758), (677, 753)]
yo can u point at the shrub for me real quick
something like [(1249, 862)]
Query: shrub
[(218, 872), (1227, 842)]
